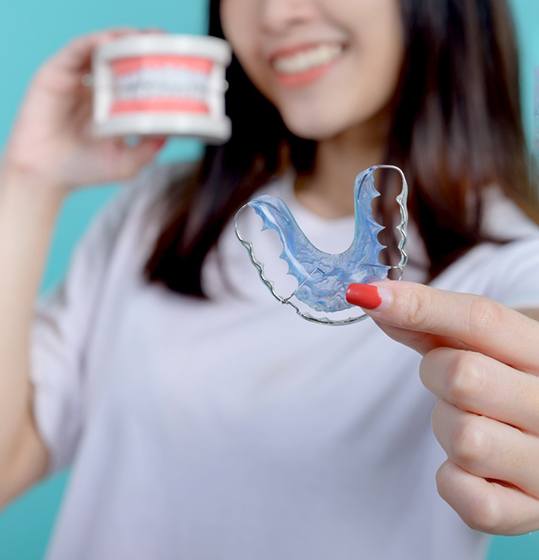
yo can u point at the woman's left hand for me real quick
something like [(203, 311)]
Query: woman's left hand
[(481, 360)]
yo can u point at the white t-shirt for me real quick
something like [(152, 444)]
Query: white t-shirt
[(233, 429)]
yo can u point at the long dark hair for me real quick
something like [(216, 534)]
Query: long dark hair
[(456, 128)]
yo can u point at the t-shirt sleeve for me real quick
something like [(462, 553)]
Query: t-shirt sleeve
[(63, 320)]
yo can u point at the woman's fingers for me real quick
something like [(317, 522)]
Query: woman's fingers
[(465, 320), (117, 160), (487, 506), (64, 71), (488, 448), (479, 384), (491, 478), (143, 153), (76, 54)]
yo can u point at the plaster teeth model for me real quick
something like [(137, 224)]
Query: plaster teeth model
[(155, 84)]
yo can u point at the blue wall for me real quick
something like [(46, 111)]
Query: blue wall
[(32, 30)]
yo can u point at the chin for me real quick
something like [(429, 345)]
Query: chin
[(320, 126), (313, 128)]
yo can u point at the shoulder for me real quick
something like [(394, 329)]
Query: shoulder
[(508, 272), (503, 218)]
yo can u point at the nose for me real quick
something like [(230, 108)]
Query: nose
[(278, 15)]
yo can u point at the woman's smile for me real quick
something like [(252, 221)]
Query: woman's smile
[(303, 64), (300, 55)]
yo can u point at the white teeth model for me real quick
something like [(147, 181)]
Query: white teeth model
[(166, 85), (306, 60)]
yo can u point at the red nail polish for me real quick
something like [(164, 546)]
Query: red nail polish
[(364, 295), (159, 143)]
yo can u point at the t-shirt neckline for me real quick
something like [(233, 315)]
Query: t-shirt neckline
[(287, 193)]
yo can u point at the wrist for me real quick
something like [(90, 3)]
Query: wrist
[(19, 178)]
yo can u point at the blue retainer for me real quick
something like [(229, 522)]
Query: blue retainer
[(323, 278)]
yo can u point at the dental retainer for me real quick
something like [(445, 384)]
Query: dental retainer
[(311, 281), (157, 84)]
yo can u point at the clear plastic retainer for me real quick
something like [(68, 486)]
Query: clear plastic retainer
[(317, 281)]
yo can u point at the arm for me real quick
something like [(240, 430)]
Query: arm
[(50, 152), (27, 217)]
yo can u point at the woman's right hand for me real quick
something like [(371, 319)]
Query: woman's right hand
[(52, 142)]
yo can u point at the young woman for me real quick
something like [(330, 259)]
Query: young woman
[(200, 419)]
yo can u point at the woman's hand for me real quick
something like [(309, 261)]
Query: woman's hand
[(51, 141), (481, 360)]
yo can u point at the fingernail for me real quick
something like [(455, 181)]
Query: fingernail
[(159, 143), (368, 296)]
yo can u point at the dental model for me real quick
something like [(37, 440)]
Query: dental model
[(320, 279), (156, 84)]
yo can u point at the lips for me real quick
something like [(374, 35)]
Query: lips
[(297, 48), (304, 63)]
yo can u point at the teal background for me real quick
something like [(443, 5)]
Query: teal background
[(30, 31)]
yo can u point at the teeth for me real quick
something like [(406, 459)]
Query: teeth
[(306, 60), (161, 82)]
